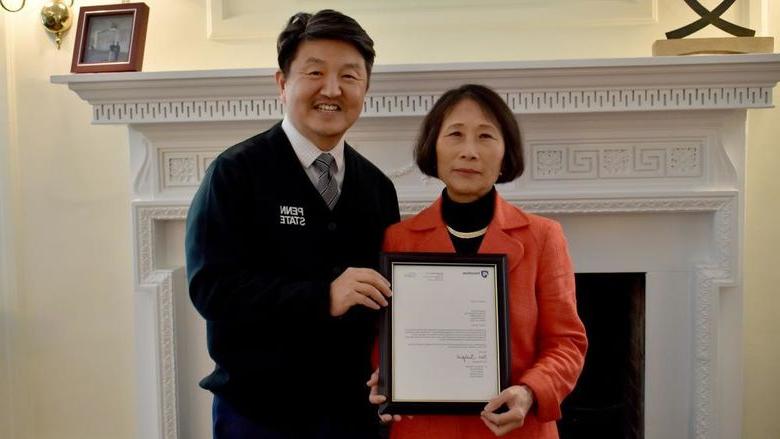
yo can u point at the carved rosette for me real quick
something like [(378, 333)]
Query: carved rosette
[(683, 161), (616, 162), (182, 171), (549, 163)]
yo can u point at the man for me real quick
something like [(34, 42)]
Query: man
[(282, 240)]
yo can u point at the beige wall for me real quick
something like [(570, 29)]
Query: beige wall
[(71, 331), (7, 309), (761, 299), (69, 321)]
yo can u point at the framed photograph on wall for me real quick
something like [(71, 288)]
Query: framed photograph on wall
[(110, 38)]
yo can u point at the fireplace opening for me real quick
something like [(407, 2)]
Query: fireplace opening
[(608, 401)]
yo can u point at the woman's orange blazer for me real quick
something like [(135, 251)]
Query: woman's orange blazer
[(548, 341)]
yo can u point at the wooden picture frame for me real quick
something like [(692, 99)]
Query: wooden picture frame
[(110, 38)]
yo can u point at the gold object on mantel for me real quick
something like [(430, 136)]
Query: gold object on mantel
[(57, 17), (701, 46)]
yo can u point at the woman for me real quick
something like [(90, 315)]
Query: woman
[(471, 141)]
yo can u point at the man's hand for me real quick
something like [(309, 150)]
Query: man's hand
[(519, 400), (358, 286), (375, 398)]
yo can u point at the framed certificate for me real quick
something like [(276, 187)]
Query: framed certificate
[(443, 339)]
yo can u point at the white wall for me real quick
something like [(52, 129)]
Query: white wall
[(65, 219)]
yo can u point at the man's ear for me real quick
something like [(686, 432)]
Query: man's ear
[(281, 81)]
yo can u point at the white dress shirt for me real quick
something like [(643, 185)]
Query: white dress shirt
[(307, 152)]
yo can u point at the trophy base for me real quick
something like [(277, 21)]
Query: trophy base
[(702, 46)]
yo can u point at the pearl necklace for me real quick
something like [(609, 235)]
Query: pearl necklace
[(467, 235)]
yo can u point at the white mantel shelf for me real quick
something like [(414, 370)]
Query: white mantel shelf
[(529, 87)]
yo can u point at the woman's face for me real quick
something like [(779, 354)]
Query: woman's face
[(469, 152)]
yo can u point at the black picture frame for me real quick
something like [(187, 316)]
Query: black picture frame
[(387, 263)]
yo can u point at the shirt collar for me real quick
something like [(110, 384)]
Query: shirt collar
[(307, 151)]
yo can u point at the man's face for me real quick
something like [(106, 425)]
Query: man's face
[(324, 90)]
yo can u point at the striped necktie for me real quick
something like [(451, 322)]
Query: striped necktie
[(327, 186)]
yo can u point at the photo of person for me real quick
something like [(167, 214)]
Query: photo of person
[(108, 39)]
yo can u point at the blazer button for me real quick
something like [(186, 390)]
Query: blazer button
[(337, 271), (332, 227)]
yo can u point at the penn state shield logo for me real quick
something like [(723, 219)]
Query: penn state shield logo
[(484, 274)]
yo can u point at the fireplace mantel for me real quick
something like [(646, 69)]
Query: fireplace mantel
[(642, 161)]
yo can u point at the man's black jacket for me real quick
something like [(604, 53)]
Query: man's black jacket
[(262, 248)]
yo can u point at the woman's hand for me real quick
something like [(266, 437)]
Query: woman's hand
[(375, 398), (519, 400)]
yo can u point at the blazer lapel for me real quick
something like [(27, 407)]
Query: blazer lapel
[(433, 236), (497, 238)]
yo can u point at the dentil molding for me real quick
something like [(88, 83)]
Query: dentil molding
[(530, 87)]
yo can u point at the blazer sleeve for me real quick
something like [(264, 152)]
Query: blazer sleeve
[(560, 333), (225, 279)]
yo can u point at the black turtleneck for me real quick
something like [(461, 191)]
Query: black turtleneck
[(468, 217)]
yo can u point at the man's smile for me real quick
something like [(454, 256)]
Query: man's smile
[(327, 107)]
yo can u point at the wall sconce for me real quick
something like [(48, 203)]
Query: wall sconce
[(57, 17)]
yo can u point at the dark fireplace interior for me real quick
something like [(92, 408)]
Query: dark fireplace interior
[(608, 399)]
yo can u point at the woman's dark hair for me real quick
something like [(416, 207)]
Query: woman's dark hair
[(512, 165), (326, 24)]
